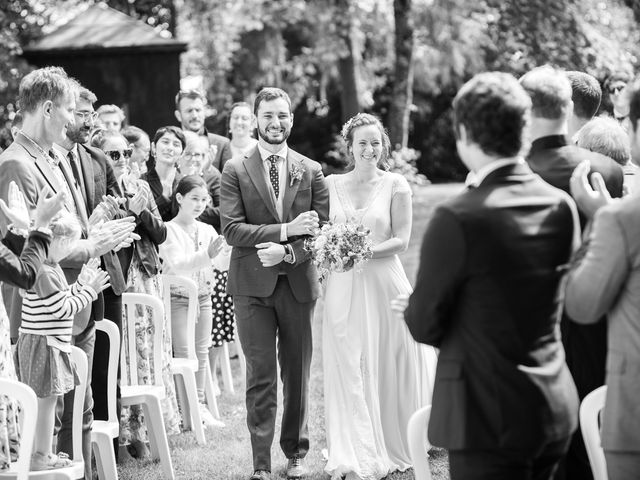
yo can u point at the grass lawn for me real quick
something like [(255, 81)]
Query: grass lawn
[(227, 454)]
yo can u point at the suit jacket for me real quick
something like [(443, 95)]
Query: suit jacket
[(211, 214), (223, 149), (606, 281), (25, 164), (486, 295), (20, 260), (554, 159), (249, 217)]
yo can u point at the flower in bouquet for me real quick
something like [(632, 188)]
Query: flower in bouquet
[(339, 247)]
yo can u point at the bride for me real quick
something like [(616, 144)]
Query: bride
[(375, 374)]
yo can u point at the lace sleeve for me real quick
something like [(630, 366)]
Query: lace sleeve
[(400, 185)]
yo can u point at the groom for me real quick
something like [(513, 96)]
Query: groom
[(271, 199)]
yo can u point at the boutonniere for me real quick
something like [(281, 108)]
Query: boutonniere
[(295, 172)]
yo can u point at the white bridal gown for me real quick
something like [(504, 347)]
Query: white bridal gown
[(375, 374)]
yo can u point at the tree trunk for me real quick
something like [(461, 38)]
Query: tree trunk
[(349, 62), (402, 91)]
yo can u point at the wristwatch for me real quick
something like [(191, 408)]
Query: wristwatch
[(288, 254)]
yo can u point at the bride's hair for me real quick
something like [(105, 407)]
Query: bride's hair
[(362, 120)]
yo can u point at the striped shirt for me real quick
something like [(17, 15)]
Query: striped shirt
[(49, 306)]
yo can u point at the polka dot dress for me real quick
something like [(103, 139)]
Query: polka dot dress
[(222, 311)]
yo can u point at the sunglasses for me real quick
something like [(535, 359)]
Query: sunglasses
[(616, 89), (116, 154)]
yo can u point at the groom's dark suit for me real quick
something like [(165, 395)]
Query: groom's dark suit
[(486, 295), (272, 302)]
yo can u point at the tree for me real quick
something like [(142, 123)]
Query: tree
[(402, 89)]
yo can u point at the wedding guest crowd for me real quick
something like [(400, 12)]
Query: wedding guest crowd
[(525, 288)]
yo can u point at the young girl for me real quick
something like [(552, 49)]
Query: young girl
[(43, 356), (188, 251)]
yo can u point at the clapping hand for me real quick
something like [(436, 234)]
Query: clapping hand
[(113, 235), (137, 203), (588, 198), (215, 246), (18, 214), (106, 209), (86, 273), (97, 279)]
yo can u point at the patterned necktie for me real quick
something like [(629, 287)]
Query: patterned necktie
[(274, 176)]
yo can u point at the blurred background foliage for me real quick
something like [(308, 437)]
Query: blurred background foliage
[(401, 59)]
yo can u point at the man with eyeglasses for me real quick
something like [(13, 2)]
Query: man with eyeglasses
[(190, 112), (614, 86), (94, 177)]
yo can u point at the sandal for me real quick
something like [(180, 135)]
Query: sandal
[(50, 461)]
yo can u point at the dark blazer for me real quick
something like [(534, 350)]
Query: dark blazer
[(211, 214), (223, 150), (18, 265), (486, 295), (164, 204), (249, 217)]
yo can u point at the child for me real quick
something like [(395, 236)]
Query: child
[(43, 355), (188, 251)]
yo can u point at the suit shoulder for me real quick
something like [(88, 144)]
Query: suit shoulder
[(95, 153), (14, 153), (218, 139)]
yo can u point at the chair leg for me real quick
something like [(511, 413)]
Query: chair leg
[(182, 401), (105, 457), (194, 407), (159, 442), (225, 366), (210, 394)]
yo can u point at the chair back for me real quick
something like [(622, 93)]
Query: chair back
[(192, 307), (417, 437), (130, 301), (79, 358), (113, 333), (590, 409), (24, 395)]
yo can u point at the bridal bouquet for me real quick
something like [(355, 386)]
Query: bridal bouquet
[(339, 247)]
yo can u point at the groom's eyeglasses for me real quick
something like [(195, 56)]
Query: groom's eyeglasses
[(116, 154)]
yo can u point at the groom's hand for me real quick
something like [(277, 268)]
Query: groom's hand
[(399, 305), (304, 224), (270, 253)]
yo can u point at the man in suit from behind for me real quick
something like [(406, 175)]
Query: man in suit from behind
[(605, 280), (267, 212), (586, 97), (190, 112), (504, 403), (554, 158)]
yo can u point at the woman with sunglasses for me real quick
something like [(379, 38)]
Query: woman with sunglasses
[(142, 277), (166, 148)]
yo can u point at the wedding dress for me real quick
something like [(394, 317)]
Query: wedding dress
[(375, 374)]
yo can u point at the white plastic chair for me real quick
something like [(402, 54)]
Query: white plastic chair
[(28, 421), (186, 368), (590, 409), (418, 442), (104, 431), (24, 395), (148, 396)]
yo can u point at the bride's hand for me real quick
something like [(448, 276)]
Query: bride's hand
[(399, 305)]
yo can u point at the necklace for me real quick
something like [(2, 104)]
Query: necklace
[(38, 147)]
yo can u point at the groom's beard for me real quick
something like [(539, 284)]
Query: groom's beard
[(281, 138)]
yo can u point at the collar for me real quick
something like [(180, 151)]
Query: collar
[(65, 152), (50, 156), (264, 153), (476, 178), (550, 141)]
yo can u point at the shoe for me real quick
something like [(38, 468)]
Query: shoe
[(50, 461), (296, 468), (261, 475), (208, 419)]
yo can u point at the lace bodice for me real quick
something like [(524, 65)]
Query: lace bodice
[(376, 213)]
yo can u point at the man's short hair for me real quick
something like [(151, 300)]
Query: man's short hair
[(550, 92), (190, 94), (267, 94), (605, 135), (106, 109), (494, 110), (82, 92), (38, 86), (587, 93)]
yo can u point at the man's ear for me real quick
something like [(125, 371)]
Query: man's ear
[(178, 116), (47, 108)]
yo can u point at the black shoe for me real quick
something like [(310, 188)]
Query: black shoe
[(296, 468), (261, 475)]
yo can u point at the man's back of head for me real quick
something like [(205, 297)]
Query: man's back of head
[(550, 93), (586, 97)]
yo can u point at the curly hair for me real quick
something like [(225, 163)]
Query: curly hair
[(363, 120), (605, 135), (100, 135), (494, 110), (586, 95), (550, 92), (65, 226)]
